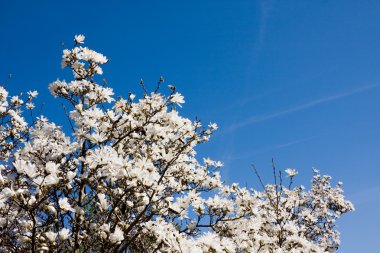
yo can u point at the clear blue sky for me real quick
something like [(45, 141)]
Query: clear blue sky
[(298, 81)]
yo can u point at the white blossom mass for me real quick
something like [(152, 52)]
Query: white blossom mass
[(125, 178)]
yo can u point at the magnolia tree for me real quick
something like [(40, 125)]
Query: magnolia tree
[(125, 178)]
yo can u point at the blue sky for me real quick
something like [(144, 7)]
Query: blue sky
[(298, 81)]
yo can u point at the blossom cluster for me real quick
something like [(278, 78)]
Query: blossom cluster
[(126, 178)]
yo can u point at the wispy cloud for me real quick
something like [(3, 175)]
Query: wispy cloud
[(291, 143), (269, 148), (265, 10), (365, 196), (257, 119)]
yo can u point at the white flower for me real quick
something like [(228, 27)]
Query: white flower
[(1, 179), (213, 126), (30, 106), (64, 233), (291, 172), (33, 94), (16, 100), (105, 227), (192, 225), (79, 39), (32, 200), (51, 179), (70, 175), (26, 168), (117, 236), (3, 94), (51, 209), (64, 205), (218, 164), (51, 167), (103, 201), (51, 236), (20, 166), (7, 192), (177, 99), (97, 137)]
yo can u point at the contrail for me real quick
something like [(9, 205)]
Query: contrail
[(265, 9), (274, 147), (257, 119), (291, 143), (365, 196)]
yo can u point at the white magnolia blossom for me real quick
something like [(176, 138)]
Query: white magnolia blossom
[(125, 178), (117, 236), (64, 233), (291, 172), (64, 205), (79, 39), (177, 99), (51, 236)]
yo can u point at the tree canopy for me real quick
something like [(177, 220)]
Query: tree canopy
[(126, 178)]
